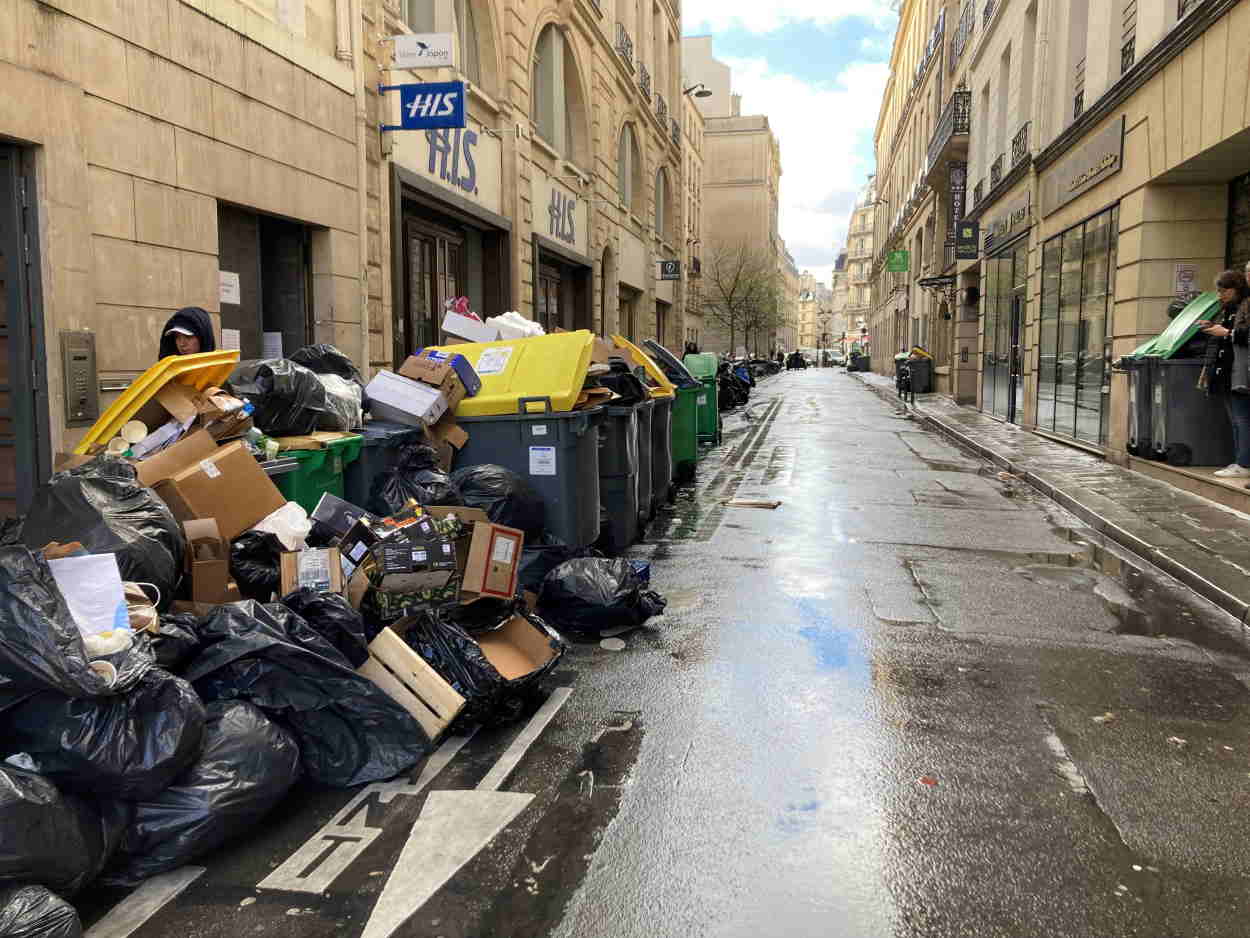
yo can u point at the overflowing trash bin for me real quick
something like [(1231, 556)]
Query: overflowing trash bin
[(380, 444), (320, 470)]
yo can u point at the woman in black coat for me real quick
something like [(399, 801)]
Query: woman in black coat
[(1227, 353), (188, 331)]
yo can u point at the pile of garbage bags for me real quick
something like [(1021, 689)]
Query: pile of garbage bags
[(290, 400)]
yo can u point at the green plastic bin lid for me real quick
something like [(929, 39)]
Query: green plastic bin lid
[(1181, 329), (701, 364)]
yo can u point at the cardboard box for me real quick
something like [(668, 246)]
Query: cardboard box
[(432, 361), (208, 562), (490, 570), (438, 375), (228, 485), (446, 437), (469, 329), (160, 466), (517, 648), (318, 569), (403, 401), (319, 440), (410, 567), (338, 515)]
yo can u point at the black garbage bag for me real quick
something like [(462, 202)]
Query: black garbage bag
[(287, 398), (416, 475), (539, 559), (11, 531), (506, 498), (176, 641), (128, 746), (594, 594), (102, 505), (491, 698), (255, 564), (325, 359), (625, 383), (348, 730), (334, 619), (40, 646), (247, 766), (49, 838), (34, 912)]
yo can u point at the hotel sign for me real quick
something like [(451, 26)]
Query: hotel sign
[(1098, 159)]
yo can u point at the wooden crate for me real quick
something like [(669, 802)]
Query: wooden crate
[(411, 683)]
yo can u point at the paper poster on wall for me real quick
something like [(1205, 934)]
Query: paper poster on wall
[(230, 340), (228, 287), (1186, 276)]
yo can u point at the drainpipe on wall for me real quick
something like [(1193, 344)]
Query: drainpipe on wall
[(362, 172)]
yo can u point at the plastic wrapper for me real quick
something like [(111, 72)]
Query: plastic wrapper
[(592, 595), (506, 498), (325, 359), (290, 524), (416, 475), (40, 646), (333, 618), (490, 698), (57, 840), (287, 399), (129, 746), (34, 912), (344, 404), (348, 730), (247, 766), (255, 564), (102, 505), (176, 641)]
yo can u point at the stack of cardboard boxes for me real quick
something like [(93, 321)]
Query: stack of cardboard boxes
[(425, 393)]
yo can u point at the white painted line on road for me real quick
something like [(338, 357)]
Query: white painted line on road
[(321, 859), (152, 896), (1065, 767), (508, 761)]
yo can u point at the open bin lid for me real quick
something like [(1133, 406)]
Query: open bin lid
[(673, 368), (522, 375), (657, 382), (1183, 328), (200, 371), (701, 364)]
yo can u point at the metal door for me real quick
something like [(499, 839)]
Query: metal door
[(1015, 384), (25, 456)]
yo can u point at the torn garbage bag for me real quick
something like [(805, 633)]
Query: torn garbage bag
[(496, 670), (416, 475), (34, 912), (102, 505), (247, 766), (60, 841), (255, 564), (287, 399), (506, 498), (128, 746), (334, 619), (40, 646), (593, 595), (348, 730)]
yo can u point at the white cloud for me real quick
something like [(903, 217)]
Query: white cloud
[(762, 17), (825, 130)]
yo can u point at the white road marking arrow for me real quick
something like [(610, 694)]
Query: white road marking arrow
[(452, 828)]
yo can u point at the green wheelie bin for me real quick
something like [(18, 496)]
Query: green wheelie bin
[(703, 365)]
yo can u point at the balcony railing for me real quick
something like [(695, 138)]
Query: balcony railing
[(996, 170), (1183, 7), (625, 46), (1128, 54), (1020, 146), (956, 119), (674, 131), (963, 33), (644, 79), (1078, 104), (989, 12), (948, 254), (661, 109), (978, 193)]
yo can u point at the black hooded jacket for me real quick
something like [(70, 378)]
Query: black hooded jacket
[(193, 318)]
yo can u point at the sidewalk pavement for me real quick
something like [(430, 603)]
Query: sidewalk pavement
[(1203, 544)]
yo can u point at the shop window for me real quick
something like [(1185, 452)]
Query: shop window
[(1239, 223), (1078, 293), (629, 171), (558, 105)]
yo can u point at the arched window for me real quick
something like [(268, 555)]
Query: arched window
[(662, 219), (558, 106), (629, 171)]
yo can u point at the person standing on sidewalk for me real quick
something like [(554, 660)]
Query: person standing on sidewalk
[(1226, 369)]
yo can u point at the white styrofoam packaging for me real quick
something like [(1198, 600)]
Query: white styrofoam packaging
[(469, 329), (392, 397)]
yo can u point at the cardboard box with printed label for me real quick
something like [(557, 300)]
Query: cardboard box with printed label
[(228, 485), (318, 569), (395, 398), (434, 367), (488, 555), (160, 466), (208, 562)]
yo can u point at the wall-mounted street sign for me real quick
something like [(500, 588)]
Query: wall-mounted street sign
[(670, 270), (898, 262), (967, 240), (429, 105), (424, 50)]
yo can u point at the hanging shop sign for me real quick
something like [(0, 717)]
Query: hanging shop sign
[(1100, 158), (898, 262), (967, 240), (669, 270), (428, 105), (424, 50)]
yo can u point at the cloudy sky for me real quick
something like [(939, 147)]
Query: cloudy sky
[(817, 68)]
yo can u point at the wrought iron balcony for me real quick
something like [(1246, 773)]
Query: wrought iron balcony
[(948, 254), (625, 46), (661, 109), (644, 79), (1020, 146), (1128, 54), (956, 121), (989, 12), (978, 193), (1078, 104), (675, 132), (1184, 7), (963, 33), (996, 170)]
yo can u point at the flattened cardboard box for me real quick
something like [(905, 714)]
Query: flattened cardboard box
[(229, 486)]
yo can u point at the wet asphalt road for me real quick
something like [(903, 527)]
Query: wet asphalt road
[(915, 700)]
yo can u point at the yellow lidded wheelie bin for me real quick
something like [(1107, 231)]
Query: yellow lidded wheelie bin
[(522, 419)]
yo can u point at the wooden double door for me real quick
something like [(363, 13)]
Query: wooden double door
[(434, 258)]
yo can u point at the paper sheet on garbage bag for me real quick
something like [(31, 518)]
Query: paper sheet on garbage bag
[(92, 587)]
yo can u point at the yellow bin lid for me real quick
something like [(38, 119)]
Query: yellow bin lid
[(203, 370), (662, 386), (521, 375)]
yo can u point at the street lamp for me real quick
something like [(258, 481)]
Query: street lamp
[(699, 90)]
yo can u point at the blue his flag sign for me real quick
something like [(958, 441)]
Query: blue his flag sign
[(429, 105)]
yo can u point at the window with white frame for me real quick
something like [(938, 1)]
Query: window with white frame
[(629, 170)]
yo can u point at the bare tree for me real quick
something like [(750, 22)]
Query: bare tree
[(740, 289)]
